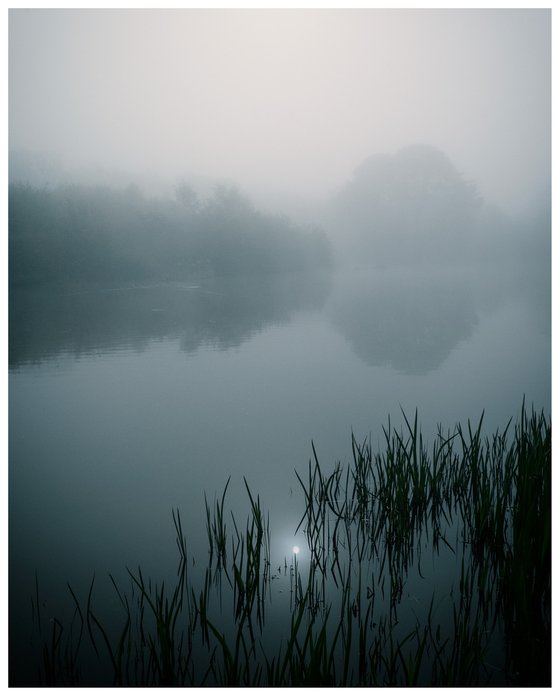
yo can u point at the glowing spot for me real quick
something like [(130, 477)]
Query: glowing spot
[(296, 549)]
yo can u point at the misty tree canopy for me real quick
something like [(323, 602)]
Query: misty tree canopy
[(413, 205), (79, 233)]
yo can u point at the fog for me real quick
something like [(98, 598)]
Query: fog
[(241, 242), (284, 103)]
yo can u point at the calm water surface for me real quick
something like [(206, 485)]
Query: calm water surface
[(127, 402)]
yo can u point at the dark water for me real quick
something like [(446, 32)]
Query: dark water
[(127, 402)]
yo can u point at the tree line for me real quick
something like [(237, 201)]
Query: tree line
[(82, 233)]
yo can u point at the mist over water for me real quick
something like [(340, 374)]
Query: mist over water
[(233, 233), (285, 102)]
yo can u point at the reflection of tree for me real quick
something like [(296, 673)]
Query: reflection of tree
[(411, 324), (221, 313)]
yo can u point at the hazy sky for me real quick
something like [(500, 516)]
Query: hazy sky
[(285, 100)]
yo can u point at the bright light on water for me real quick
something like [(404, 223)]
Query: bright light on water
[(296, 549)]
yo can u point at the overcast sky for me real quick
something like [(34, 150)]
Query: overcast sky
[(285, 100)]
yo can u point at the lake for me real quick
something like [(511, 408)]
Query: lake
[(127, 402)]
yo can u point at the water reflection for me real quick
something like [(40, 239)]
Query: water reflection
[(219, 313), (410, 320)]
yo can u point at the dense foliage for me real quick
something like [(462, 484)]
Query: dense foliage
[(78, 233)]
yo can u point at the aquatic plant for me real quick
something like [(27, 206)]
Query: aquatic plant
[(426, 565)]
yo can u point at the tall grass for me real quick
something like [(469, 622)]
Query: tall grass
[(428, 564)]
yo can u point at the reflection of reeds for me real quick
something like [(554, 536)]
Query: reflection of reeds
[(480, 507)]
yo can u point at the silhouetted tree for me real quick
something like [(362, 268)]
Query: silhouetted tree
[(410, 206)]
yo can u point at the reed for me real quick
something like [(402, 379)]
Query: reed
[(463, 522)]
